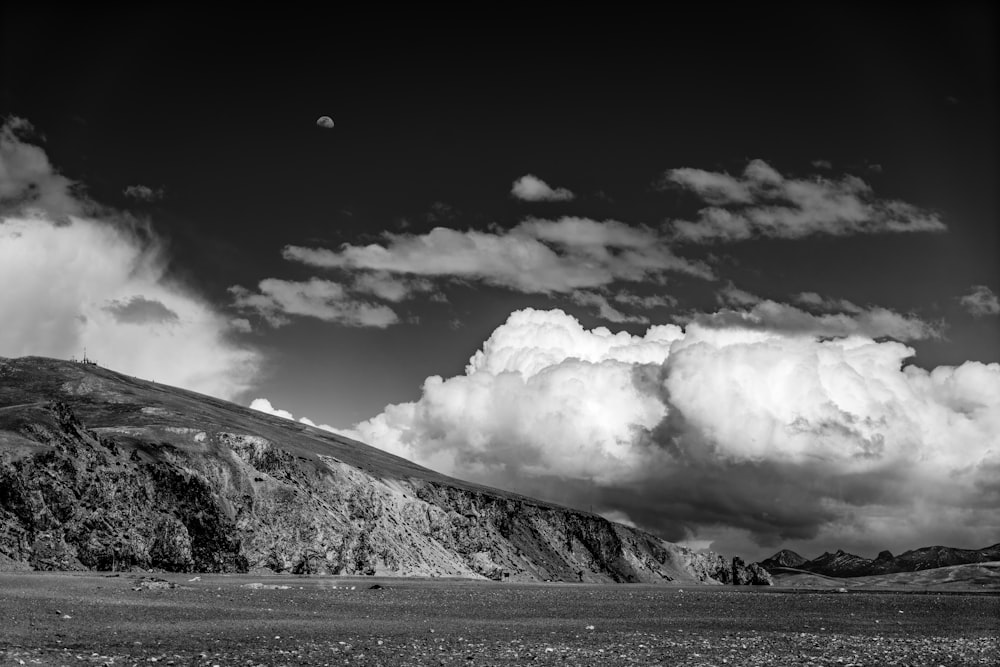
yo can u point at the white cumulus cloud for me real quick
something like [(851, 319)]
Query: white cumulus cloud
[(264, 405), (532, 188), (700, 431), (27, 178), (71, 281)]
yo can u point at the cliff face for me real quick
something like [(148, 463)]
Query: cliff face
[(102, 471)]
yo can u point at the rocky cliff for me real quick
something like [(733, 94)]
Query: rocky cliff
[(104, 471)]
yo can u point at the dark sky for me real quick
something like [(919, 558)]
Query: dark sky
[(437, 116)]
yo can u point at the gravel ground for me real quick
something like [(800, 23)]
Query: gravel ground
[(74, 619)]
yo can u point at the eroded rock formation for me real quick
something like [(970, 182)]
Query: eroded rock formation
[(101, 471)]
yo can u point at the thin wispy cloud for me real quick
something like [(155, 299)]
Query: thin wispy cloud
[(536, 256), (140, 310), (389, 287), (819, 316), (761, 202), (604, 308), (816, 302), (647, 302), (278, 300), (532, 188), (981, 301)]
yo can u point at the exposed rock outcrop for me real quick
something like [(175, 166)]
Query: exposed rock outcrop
[(102, 471), (750, 575), (784, 558)]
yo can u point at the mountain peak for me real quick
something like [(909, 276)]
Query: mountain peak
[(783, 558)]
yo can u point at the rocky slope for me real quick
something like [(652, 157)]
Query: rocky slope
[(103, 471), (843, 564)]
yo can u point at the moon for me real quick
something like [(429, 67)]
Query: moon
[(325, 122)]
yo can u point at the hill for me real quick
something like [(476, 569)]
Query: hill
[(99, 470)]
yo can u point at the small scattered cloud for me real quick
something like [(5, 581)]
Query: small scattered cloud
[(713, 187), (264, 405), (822, 164), (532, 188), (763, 203), (325, 300), (981, 301), (140, 310), (144, 193)]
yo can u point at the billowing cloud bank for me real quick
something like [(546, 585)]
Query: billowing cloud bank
[(71, 280), (748, 437)]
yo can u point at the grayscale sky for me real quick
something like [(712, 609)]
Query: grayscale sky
[(731, 277)]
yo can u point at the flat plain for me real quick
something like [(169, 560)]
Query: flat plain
[(175, 619)]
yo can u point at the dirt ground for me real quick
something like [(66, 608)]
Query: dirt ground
[(130, 619)]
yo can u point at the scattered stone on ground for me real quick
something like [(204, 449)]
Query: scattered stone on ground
[(81, 619)]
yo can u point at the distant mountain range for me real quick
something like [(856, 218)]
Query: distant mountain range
[(843, 564)]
